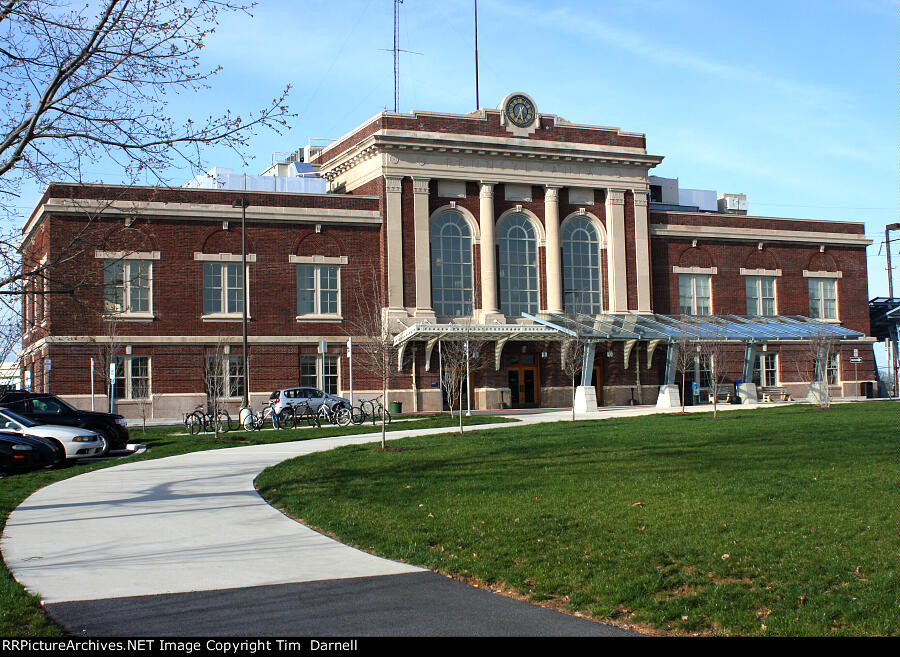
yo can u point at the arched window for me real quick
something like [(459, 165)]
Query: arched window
[(581, 267), (518, 267), (451, 266)]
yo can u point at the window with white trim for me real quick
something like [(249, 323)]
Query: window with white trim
[(766, 371), (451, 266), (761, 295), (694, 294), (518, 270), (223, 288), (318, 290), (127, 286), (832, 371), (132, 377), (320, 372), (225, 376), (823, 298), (581, 266)]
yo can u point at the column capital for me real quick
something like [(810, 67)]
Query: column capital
[(420, 185), (615, 196), (551, 193), (392, 184), (640, 197), (487, 189)]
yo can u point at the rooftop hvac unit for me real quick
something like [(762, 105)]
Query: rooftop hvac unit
[(732, 203)]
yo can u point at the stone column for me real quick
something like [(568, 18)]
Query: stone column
[(615, 252), (489, 308), (423, 239), (394, 243), (642, 250), (554, 269)]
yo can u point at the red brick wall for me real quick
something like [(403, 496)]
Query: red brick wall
[(728, 286), (488, 127)]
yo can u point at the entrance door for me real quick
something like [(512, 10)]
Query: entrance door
[(597, 382), (524, 381)]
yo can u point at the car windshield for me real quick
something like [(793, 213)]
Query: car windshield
[(15, 417)]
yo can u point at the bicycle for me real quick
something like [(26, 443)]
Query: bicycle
[(256, 421), (370, 408), (203, 420), (338, 414)]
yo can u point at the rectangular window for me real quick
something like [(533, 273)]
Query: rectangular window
[(761, 295), (225, 376), (832, 371), (765, 372), (318, 290), (823, 298), (222, 288), (316, 372), (133, 377), (694, 294), (330, 374), (126, 286), (308, 371)]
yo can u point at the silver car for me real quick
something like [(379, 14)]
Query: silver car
[(296, 396), (77, 442)]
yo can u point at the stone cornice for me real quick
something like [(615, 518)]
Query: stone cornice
[(738, 233), (95, 209), (399, 142)]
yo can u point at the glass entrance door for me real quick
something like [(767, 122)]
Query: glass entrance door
[(523, 381)]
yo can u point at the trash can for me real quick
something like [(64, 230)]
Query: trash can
[(395, 408)]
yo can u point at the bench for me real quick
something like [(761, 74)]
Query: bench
[(774, 393), (724, 394)]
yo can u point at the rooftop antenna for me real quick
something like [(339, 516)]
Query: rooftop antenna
[(477, 103), (396, 50)]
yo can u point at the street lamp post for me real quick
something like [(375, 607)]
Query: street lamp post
[(243, 204)]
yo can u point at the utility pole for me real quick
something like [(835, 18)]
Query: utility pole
[(243, 204), (893, 342)]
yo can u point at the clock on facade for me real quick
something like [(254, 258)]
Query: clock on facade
[(520, 111)]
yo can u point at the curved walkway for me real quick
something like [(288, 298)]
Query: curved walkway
[(96, 545)]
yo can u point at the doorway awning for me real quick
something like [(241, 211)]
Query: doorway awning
[(500, 334)]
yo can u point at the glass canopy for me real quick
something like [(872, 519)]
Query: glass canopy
[(702, 328)]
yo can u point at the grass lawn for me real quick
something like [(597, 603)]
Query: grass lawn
[(21, 613), (763, 522)]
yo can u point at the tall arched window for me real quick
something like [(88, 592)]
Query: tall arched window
[(451, 266), (518, 266), (581, 266)]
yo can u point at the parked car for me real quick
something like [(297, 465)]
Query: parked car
[(75, 442), (20, 453), (44, 408), (312, 396)]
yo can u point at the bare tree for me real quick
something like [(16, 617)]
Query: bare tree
[(685, 359), (215, 379), (108, 352), (85, 83), (714, 356), (820, 352), (460, 357), (376, 349)]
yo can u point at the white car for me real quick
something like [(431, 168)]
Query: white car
[(77, 443)]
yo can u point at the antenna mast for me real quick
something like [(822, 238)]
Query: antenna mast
[(397, 4), (477, 103)]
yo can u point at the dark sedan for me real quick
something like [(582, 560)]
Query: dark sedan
[(20, 453)]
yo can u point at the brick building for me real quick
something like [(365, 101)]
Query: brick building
[(496, 221)]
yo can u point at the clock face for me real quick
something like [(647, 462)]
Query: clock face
[(520, 111)]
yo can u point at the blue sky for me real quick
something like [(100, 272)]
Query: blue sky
[(793, 103)]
